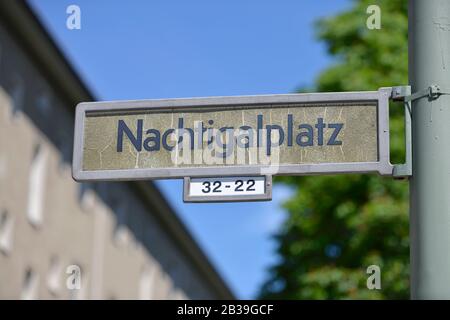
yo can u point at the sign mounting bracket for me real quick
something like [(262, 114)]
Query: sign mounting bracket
[(403, 93)]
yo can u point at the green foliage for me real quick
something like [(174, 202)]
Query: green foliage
[(339, 225)]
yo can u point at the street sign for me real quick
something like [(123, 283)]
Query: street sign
[(292, 134), (222, 189)]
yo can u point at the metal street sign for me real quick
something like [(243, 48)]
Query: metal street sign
[(292, 134)]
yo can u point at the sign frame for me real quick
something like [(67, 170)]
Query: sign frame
[(267, 196), (382, 166)]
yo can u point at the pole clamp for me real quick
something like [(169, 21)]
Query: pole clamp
[(403, 93)]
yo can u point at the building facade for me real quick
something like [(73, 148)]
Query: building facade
[(64, 240)]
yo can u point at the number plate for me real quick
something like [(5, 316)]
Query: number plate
[(222, 189)]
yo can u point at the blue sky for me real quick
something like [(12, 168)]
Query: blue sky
[(174, 48)]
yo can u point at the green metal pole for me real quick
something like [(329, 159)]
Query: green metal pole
[(429, 63)]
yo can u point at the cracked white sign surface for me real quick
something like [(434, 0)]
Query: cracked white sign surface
[(298, 134)]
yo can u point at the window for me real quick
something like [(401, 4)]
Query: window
[(121, 233), (43, 103), (177, 294), (30, 285), (146, 283), (54, 275), (36, 188), (17, 94), (86, 197), (3, 167), (65, 153), (6, 231)]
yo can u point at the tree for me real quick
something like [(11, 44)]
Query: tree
[(340, 225)]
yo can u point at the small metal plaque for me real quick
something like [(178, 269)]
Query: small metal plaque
[(223, 189)]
